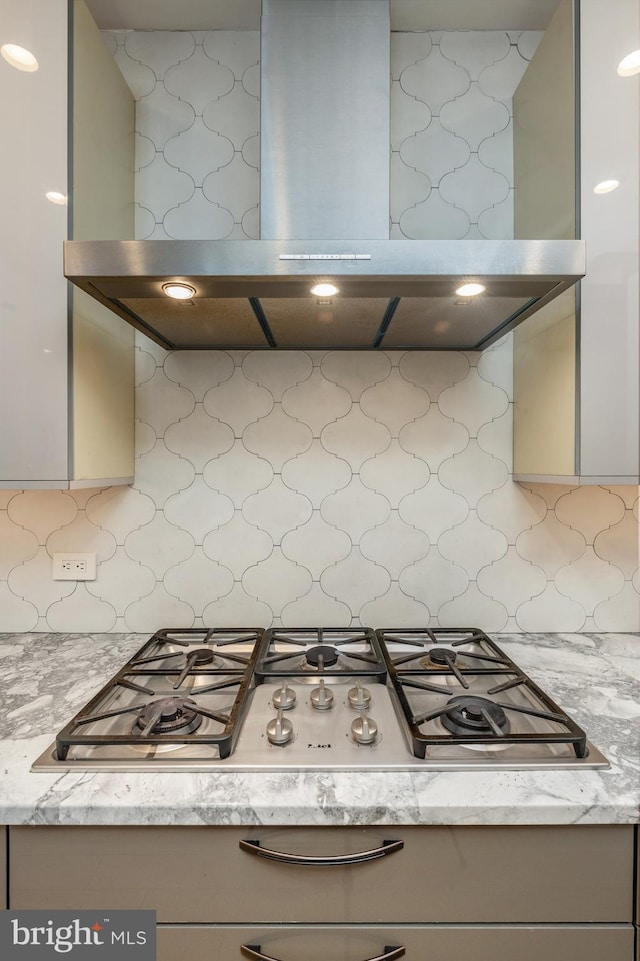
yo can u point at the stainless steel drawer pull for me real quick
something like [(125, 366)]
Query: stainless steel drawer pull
[(387, 847), (255, 951)]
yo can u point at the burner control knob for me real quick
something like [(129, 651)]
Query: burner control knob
[(280, 729), (321, 697), (359, 697), (284, 698), (364, 729)]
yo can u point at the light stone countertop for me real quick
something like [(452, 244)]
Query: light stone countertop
[(47, 678)]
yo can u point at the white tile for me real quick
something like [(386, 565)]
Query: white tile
[(42, 511), (238, 545), (277, 509), (82, 535), (500, 79), (251, 80), (198, 370), (407, 115), (511, 580), (277, 371), (355, 370), (316, 545), (159, 474), (434, 219), (620, 545), (497, 438), (199, 437), (120, 510), (473, 402), (277, 437), (145, 366), (238, 473), (355, 438), (157, 608), (407, 187), (160, 402), (33, 582), (317, 402), (139, 77), (159, 187), (236, 49), (528, 42), (316, 473), (472, 544), (433, 370), (473, 473), (590, 510), (620, 613), (236, 116), (434, 151), (198, 581), (238, 402), (121, 581), (159, 545), (473, 188), (433, 581), (394, 609), (145, 222), (236, 187), (474, 117), (355, 581), (16, 614), (473, 609), (434, 438), (198, 151), (198, 80), (512, 509), (315, 608), (550, 493), (550, 611), (589, 581), (628, 494), (159, 49), (435, 80), (474, 49), (5, 497), (251, 152), (495, 365), (406, 49), (355, 509), (276, 581), (198, 509), (496, 152), (198, 219), (394, 473), (394, 545), (144, 151), (551, 545), (16, 545), (496, 223), (394, 402), (80, 611), (433, 509), (238, 609)]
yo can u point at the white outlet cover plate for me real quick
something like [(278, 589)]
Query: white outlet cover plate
[(75, 566)]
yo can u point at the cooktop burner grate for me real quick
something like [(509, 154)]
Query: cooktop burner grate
[(333, 652)]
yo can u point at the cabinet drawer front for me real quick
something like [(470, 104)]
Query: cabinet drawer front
[(441, 875), (421, 944)]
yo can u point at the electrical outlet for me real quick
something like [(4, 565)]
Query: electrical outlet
[(74, 567)]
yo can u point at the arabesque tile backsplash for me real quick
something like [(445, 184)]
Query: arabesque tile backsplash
[(310, 487)]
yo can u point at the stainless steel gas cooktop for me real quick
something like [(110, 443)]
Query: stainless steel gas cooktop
[(320, 698)]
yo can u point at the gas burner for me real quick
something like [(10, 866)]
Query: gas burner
[(202, 656), (467, 714), (328, 655), (167, 715), (439, 657)]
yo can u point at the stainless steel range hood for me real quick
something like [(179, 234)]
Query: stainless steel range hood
[(325, 218)]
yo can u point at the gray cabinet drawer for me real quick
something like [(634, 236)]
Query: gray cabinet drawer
[(441, 875), (490, 943)]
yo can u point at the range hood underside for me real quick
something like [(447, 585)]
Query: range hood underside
[(392, 294)]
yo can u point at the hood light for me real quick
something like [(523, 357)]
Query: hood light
[(179, 291), (19, 57), (469, 290), (56, 197), (606, 186), (324, 290), (629, 65)]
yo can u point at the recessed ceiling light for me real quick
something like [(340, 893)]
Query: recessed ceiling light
[(606, 186), (469, 290), (179, 291), (630, 64), (56, 197), (324, 290), (18, 57)]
